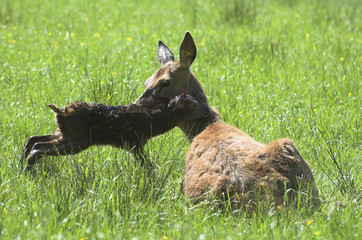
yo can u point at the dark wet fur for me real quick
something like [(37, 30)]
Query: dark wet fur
[(81, 125)]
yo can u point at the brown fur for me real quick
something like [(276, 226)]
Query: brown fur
[(81, 125), (223, 161), (171, 78), (226, 163)]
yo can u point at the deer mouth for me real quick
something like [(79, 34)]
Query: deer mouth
[(161, 100)]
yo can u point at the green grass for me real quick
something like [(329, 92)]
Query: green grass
[(274, 69)]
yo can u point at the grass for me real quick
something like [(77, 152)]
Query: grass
[(273, 68)]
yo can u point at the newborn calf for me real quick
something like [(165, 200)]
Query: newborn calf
[(81, 125)]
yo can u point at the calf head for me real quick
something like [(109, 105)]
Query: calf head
[(185, 105)]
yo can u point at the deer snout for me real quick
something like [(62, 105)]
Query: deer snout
[(206, 110), (146, 99)]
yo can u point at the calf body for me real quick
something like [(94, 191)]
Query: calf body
[(81, 125)]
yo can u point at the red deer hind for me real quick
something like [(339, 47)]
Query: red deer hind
[(223, 161)]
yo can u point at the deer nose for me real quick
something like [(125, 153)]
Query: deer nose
[(206, 110)]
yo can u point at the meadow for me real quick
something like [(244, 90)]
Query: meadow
[(275, 69)]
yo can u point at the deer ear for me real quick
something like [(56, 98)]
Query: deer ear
[(187, 51), (164, 54), (161, 100)]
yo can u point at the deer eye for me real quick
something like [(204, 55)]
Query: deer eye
[(165, 83)]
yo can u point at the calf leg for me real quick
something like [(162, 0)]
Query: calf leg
[(141, 156), (34, 139), (54, 148)]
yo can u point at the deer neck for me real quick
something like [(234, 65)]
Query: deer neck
[(192, 127), (195, 89)]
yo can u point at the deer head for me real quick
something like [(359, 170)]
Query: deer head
[(173, 77)]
